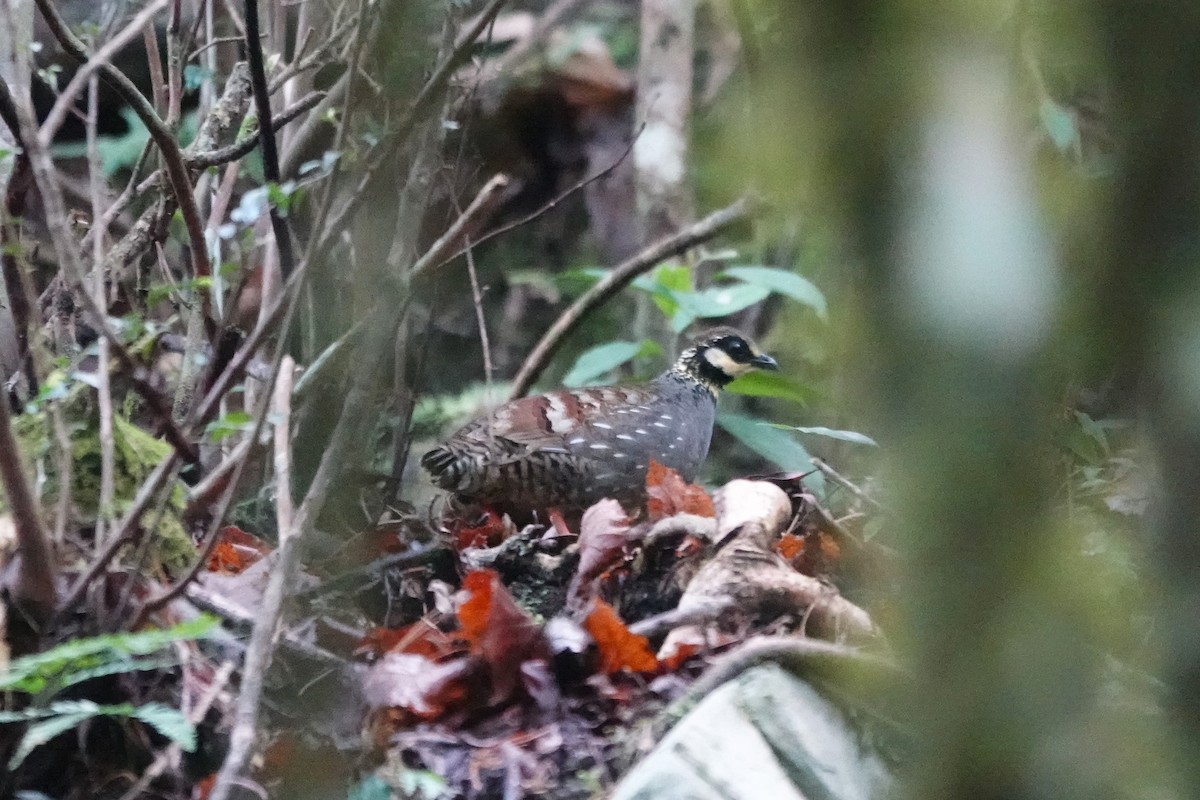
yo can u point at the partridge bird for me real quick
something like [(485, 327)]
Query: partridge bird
[(569, 448)]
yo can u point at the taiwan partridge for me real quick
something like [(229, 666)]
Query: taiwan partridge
[(569, 448)]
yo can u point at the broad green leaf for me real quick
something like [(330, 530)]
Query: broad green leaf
[(774, 445), (784, 282), (845, 436), (604, 358), (664, 284), (771, 384), (721, 301)]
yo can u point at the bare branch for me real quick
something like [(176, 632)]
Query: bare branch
[(266, 135), (164, 138), (102, 57), (616, 280), (258, 654)]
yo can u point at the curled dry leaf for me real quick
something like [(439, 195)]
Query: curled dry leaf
[(668, 494), (619, 649), (602, 536), (415, 685)]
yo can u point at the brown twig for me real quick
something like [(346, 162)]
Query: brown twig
[(616, 280), (103, 386), (162, 135), (16, 280), (554, 201), (66, 99), (486, 201), (32, 587), (243, 146)]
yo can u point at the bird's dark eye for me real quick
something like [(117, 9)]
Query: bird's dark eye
[(736, 347)]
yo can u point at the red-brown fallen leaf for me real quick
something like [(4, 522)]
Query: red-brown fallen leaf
[(668, 494), (489, 533), (789, 545), (499, 632), (817, 554), (235, 550), (420, 638), (619, 649)]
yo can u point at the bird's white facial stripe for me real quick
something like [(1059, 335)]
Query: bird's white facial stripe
[(721, 360)]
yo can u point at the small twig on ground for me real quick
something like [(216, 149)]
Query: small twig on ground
[(357, 577), (616, 280), (258, 654)]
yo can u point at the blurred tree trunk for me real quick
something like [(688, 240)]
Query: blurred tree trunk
[(913, 109), (664, 106), (1148, 309), (15, 36)]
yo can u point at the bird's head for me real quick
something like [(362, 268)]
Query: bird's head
[(720, 355)]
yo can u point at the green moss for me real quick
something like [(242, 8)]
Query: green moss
[(135, 455)]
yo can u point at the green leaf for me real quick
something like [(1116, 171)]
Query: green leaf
[(31, 674), (604, 358), (231, 423), (771, 384), (372, 787), (784, 282), (41, 732), (1059, 123), (721, 301), (774, 445), (170, 722), (194, 76), (62, 716), (845, 436)]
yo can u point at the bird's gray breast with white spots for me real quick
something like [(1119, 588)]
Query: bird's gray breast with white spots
[(671, 424)]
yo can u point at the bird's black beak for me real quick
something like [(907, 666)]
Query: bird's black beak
[(764, 361)]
